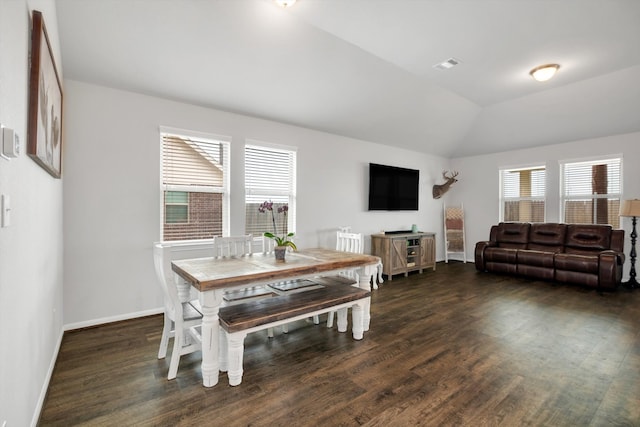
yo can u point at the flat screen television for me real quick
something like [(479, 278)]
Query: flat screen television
[(392, 188)]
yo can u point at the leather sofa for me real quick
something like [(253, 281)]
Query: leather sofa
[(585, 254)]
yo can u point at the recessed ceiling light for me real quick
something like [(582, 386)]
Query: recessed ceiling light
[(445, 65), (285, 3), (543, 73)]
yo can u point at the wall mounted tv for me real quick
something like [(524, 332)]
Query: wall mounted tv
[(392, 188)]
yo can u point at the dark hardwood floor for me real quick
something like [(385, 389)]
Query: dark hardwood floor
[(450, 347)]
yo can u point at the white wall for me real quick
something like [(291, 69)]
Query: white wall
[(478, 188), (112, 196), (31, 247)]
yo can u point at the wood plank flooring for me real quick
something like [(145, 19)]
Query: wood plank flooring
[(449, 347)]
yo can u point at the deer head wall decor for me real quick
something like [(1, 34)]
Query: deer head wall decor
[(440, 189)]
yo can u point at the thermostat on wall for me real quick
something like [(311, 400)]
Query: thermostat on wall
[(10, 143)]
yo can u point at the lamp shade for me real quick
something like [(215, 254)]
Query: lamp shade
[(630, 208)]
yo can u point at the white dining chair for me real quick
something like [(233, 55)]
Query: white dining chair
[(347, 242), (376, 278), (233, 245), (182, 315), (243, 246)]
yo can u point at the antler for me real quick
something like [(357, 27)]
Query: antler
[(453, 175)]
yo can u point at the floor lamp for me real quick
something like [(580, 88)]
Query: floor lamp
[(631, 208)]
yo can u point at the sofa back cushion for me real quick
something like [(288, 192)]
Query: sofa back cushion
[(587, 239), (512, 235), (547, 237)]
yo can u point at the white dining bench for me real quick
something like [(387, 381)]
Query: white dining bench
[(239, 320)]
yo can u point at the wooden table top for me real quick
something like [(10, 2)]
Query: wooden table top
[(225, 272)]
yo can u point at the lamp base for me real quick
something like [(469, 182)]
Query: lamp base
[(631, 284)]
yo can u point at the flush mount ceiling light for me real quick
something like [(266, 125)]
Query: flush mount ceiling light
[(285, 3), (543, 73)]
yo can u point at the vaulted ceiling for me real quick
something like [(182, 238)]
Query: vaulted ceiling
[(364, 68)]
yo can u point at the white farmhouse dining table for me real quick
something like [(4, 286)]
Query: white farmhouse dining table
[(211, 277)]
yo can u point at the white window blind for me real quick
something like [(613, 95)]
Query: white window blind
[(591, 191), (194, 185), (522, 194), (270, 175)]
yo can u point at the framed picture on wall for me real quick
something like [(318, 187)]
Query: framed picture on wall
[(44, 133)]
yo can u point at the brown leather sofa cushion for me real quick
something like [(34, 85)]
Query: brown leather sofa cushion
[(547, 237), (507, 255), (586, 239), (537, 258), (514, 235), (573, 262)]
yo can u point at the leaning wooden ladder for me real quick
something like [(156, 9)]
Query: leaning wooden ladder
[(454, 232)]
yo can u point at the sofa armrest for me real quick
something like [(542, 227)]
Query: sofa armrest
[(479, 253), (620, 257), (610, 269)]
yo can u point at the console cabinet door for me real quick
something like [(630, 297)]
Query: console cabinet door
[(428, 252), (398, 256)]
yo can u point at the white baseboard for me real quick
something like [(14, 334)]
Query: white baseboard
[(103, 320), (47, 380)]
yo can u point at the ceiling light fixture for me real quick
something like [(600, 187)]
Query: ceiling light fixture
[(543, 73), (285, 3)]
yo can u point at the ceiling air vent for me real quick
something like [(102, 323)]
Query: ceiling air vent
[(449, 63)]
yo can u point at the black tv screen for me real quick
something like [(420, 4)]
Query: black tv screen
[(392, 188)]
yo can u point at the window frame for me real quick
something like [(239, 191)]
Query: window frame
[(608, 159), (224, 189), (503, 199), (258, 195)]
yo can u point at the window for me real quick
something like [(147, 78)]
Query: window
[(522, 194), (270, 174), (176, 207), (195, 187), (591, 191)]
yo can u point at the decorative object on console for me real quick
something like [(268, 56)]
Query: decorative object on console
[(631, 208), (439, 189), (282, 242)]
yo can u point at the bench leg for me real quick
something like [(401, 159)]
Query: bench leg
[(235, 354), (357, 317), (342, 319)]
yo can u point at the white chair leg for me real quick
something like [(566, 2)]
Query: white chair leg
[(178, 341), (270, 332), (285, 329), (330, 316), (316, 320), (342, 320), (235, 353), (166, 333)]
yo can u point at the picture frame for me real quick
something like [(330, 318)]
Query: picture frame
[(44, 131)]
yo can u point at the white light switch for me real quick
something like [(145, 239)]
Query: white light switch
[(10, 143), (5, 206)]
